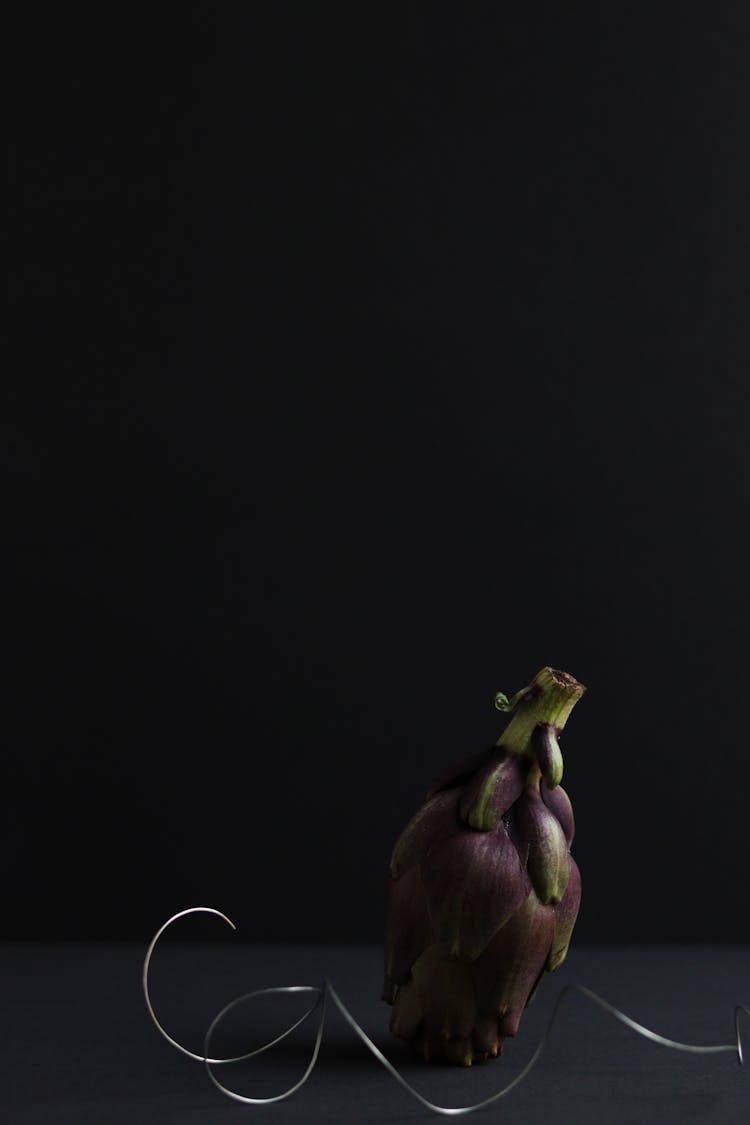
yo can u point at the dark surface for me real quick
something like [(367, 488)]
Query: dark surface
[(359, 361), (78, 1048)]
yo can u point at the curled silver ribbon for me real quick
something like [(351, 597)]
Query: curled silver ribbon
[(326, 991)]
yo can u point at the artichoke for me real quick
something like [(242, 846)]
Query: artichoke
[(484, 892)]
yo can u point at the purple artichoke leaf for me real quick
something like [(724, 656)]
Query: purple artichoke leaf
[(536, 984), (432, 824), (407, 925), (558, 802), (566, 913), (474, 883), (546, 750), (508, 969)]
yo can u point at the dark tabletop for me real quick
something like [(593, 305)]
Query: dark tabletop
[(78, 1047)]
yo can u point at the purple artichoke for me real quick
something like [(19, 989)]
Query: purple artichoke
[(484, 892)]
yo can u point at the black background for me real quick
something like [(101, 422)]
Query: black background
[(363, 359)]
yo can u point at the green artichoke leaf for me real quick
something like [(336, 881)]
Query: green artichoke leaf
[(446, 991), (491, 792), (549, 859)]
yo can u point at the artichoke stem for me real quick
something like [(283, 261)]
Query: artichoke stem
[(549, 698)]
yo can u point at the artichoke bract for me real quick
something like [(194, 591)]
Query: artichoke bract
[(484, 892)]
